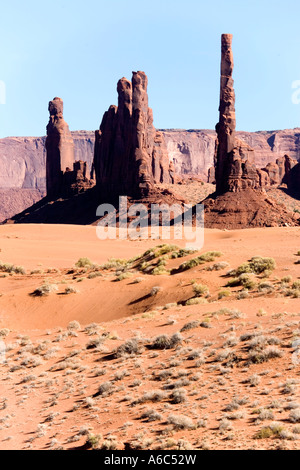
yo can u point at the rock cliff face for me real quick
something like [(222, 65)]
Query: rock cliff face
[(23, 159), (130, 155)]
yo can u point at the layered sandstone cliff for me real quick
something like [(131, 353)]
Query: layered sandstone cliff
[(23, 159)]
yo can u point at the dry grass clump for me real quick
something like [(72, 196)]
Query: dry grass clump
[(259, 355), (257, 265), (131, 347), (105, 389), (124, 275), (4, 332), (44, 289), (272, 430), (84, 263), (293, 291), (74, 325), (189, 326), (295, 416), (194, 262), (70, 290), (200, 290), (183, 252), (151, 415), (196, 301), (153, 396), (217, 266), (11, 268), (224, 293), (181, 422), (155, 290), (167, 342), (93, 441), (245, 280)]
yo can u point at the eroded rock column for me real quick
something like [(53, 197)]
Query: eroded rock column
[(59, 147)]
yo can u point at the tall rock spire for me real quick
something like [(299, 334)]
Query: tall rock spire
[(234, 161), (59, 147)]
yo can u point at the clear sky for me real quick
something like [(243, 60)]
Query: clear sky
[(78, 50)]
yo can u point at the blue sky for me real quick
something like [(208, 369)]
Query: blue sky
[(79, 49)]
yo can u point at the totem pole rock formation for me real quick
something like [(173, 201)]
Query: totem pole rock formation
[(234, 159), (130, 155), (64, 176), (59, 147), (240, 200)]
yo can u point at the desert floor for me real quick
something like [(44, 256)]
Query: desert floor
[(110, 355)]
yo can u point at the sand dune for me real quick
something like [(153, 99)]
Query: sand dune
[(50, 379)]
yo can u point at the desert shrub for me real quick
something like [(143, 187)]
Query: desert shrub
[(265, 287), (44, 289), (200, 290), (83, 263), (153, 396), (295, 416), (196, 301), (164, 249), (70, 290), (167, 342), (105, 388), (74, 325), (155, 290), (259, 356), (123, 276), (115, 263), (218, 266), (93, 440), (178, 396), (11, 268), (4, 332), (194, 262), (224, 293), (244, 294), (190, 326), (93, 275), (129, 348), (181, 422), (254, 380), (225, 425), (137, 280), (183, 252), (245, 280), (110, 443), (273, 429), (151, 415), (256, 265), (95, 343)]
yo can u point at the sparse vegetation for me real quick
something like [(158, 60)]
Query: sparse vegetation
[(44, 289)]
